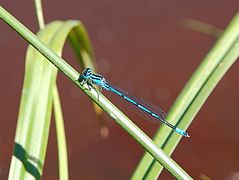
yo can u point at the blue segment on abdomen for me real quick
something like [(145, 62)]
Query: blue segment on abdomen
[(115, 91), (144, 109), (180, 131), (155, 115), (130, 100)]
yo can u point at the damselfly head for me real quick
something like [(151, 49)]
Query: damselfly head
[(85, 74)]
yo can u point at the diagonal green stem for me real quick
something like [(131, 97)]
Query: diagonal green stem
[(105, 104)]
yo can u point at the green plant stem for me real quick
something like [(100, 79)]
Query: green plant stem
[(230, 57), (61, 137), (201, 27), (193, 96), (60, 130), (105, 104), (39, 45), (200, 99), (39, 12)]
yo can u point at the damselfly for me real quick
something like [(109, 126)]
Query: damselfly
[(95, 79)]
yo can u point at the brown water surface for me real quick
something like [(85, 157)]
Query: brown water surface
[(142, 47)]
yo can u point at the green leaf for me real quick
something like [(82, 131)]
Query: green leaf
[(80, 42), (36, 103), (203, 81), (201, 27)]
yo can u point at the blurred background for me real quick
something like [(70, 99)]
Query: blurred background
[(140, 46)]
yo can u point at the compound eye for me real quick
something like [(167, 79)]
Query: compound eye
[(87, 72)]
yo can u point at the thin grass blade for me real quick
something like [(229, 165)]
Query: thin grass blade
[(194, 94), (36, 103)]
